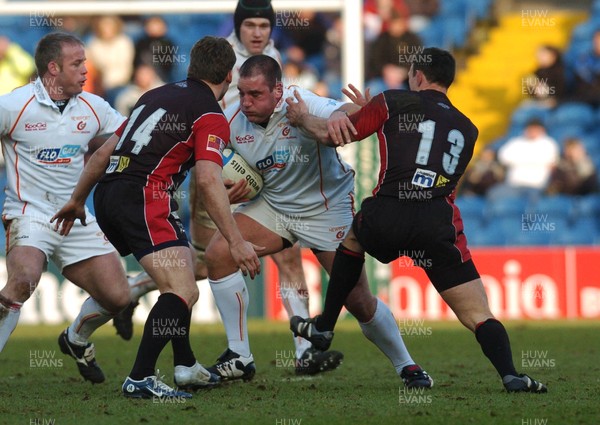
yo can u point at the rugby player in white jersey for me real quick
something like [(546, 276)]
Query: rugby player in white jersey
[(308, 196), (253, 24), (46, 128)]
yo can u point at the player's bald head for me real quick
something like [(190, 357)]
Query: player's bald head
[(262, 65)]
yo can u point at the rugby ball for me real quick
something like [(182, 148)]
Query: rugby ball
[(236, 168)]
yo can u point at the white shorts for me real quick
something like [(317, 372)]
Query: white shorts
[(81, 243), (323, 231)]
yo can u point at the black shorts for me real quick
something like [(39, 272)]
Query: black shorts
[(430, 232), (137, 219)]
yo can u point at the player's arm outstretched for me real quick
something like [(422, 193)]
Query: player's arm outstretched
[(92, 172), (342, 127), (338, 124)]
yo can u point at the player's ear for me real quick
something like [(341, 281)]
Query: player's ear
[(53, 67), (278, 89), (229, 77)]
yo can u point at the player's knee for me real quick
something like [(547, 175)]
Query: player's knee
[(116, 301), (19, 289), (193, 296), (217, 254), (200, 269)]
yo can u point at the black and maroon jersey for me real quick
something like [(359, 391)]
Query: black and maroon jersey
[(169, 129), (425, 143)]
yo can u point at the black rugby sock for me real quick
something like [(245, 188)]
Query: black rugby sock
[(166, 319), (345, 273), (495, 344), (182, 351)]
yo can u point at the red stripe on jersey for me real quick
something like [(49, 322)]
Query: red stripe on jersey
[(369, 119), (173, 161), (211, 135), (14, 146), (93, 112), (235, 115), (121, 129), (158, 209), (460, 240), (19, 116), (383, 155)]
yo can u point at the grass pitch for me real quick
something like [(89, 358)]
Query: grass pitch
[(39, 385)]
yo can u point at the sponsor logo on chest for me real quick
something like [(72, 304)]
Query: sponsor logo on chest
[(80, 124), (36, 126), (55, 156), (246, 138)]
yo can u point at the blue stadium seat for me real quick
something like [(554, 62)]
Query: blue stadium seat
[(471, 206), (433, 34), (587, 206), (560, 133), (506, 207), (523, 115), (573, 114), (491, 235), (555, 206), (456, 30), (452, 8), (583, 232), (529, 238), (480, 8)]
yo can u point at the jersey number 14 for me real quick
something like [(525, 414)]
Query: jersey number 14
[(143, 133)]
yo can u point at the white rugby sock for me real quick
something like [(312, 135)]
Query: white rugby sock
[(383, 331), (140, 285), (295, 302), (90, 317), (231, 297), (9, 317)]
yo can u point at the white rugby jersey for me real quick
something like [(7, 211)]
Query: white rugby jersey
[(44, 149), (301, 176), (241, 54)]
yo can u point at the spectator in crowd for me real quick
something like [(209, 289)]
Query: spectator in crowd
[(16, 66), (575, 173), (377, 15), (154, 46), (111, 51), (332, 53), (587, 74), (529, 159), (144, 78), (393, 76), (421, 12), (482, 174), (299, 74), (80, 26), (396, 46), (306, 32), (547, 85)]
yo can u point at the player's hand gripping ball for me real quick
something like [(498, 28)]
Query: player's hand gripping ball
[(236, 168)]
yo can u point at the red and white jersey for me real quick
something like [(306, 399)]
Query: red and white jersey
[(44, 149), (301, 176)]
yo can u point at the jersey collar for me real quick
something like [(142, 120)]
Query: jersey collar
[(42, 96)]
